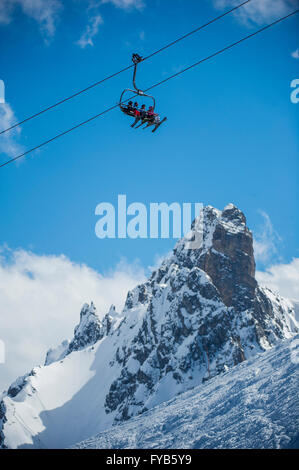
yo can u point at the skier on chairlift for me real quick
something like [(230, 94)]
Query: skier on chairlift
[(130, 106), (140, 115), (146, 117), (152, 117)]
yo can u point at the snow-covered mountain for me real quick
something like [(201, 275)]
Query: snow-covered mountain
[(198, 315), (253, 405)]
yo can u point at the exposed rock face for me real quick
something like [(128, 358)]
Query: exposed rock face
[(198, 315), (230, 260), (3, 420), (19, 384)]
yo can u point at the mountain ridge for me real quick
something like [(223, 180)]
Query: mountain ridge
[(198, 315)]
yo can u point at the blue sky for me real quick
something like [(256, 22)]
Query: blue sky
[(230, 136)]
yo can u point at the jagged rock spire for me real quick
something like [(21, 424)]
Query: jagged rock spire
[(88, 331), (230, 260)]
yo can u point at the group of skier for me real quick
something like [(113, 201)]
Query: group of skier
[(142, 114)]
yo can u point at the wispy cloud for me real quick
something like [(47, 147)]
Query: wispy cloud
[(9, 145), (258, 11), (91, 31), (266, 241), (282, 278), (41, 298), (45, 12), (96, 18), (127, 4), (295, 54)]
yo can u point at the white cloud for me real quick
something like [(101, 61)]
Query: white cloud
[(40, 302), (258, 11), (266, 241), (279, 277), (45, 12), (295, 54), (6, 7), (91, 31), (282, 278), (8, 140), (127, 4)]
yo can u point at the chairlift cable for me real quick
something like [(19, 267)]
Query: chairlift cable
[(154, 86), (124, 69)]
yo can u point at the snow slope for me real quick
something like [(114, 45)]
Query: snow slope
[(254, 405)]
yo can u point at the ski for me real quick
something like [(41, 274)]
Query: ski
[(139, 125), (159, 124), (149, 123)]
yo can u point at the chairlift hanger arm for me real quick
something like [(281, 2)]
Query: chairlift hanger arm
[(136, 59)]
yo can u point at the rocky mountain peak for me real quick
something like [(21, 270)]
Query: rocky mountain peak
[(87, 310), (225, 254), (231, 212), (203, 312), (88, 331), (112, 311)]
